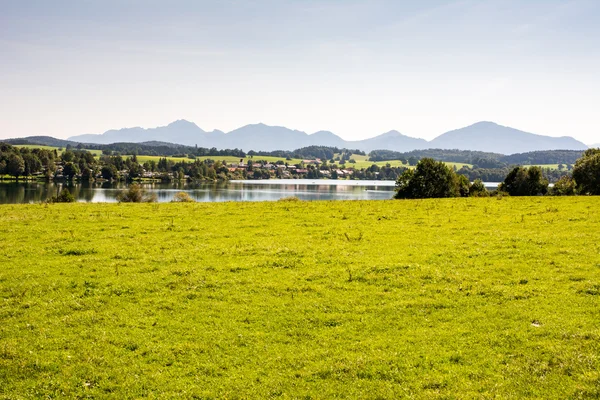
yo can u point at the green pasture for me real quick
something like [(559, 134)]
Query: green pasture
[(454, 298), (35, 146), (549, 166), (363, 162), (227, 159)]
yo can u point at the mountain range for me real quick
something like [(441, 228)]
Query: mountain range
[(482, 136)]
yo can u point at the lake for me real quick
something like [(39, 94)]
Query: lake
[(259, 190)]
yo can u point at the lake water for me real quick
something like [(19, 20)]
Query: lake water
[(260, 190)]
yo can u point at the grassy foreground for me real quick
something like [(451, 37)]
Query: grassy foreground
[(457, 298)]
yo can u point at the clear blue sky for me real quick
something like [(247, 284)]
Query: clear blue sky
[(355, 67)]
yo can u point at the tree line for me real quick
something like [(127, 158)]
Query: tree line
[(84, 165), (481, 159), (434, 179)]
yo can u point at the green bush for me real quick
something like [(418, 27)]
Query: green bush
[(565, 186), (64, 197), (477, 189)]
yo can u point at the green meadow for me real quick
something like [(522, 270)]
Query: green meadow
[(60, 150), (227, 159), (449, 298)]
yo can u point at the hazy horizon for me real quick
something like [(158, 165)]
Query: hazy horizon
[(357, 68)]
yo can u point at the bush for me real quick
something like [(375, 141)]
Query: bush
[(564, 187), (182, 197), (477, 189), (290, 199), (64, 197), (136, 194)]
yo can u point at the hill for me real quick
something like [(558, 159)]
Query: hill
[(491, 137), (41, 140), (392, 140)]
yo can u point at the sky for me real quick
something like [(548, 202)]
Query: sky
[(357, 68)]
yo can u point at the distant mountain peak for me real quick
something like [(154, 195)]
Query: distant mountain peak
[(484, 123), (182, 123), (392, 133), (324, 133)]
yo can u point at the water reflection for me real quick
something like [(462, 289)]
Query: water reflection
[(35, 192)]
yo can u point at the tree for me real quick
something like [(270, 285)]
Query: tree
[(87, 174), (109, 172), (68, 156), (32, 164), (477, 189), (522, 181), (462, 184), (70, 170), (430, 179), (564, 187), (586, 172), (15, 165)]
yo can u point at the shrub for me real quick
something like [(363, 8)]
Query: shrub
[(182, 197), (289, 199), (477, 189), (565, 186), (64, 197), (136, 194)]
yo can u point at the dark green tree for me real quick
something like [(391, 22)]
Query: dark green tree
[(430, 179), (70, 170), (32, 164), (522, 181), (586, 172), (87, 174), (462, 184), (68, 156), (109, 172), (15, 165)]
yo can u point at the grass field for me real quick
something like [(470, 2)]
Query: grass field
[(227, 159), (549, 166), (35, 146), (456, 298)]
